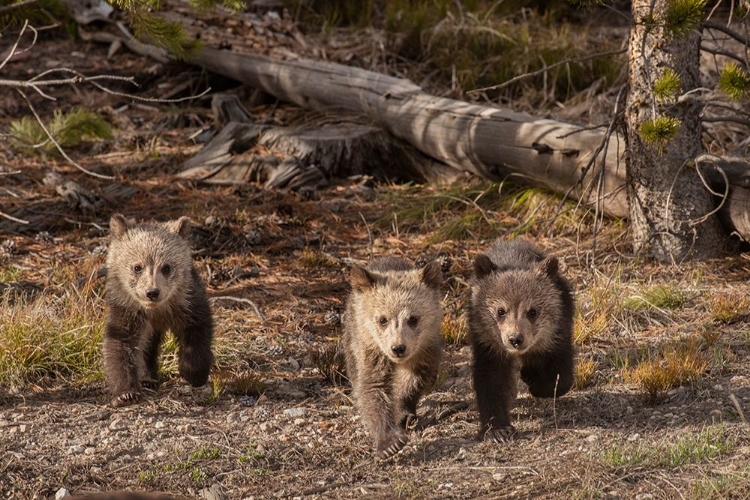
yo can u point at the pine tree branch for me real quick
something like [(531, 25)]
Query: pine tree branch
[(725, 53), (14, 48), (727, 31)]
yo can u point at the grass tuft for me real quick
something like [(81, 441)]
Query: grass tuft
[(677, 365), (315, 259), (585, 373), (51, 337), (68, 129), (729, 308), (657, 297), (455, 331)]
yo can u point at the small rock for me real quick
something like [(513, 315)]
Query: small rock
[(76, 449), (591, 438), (211, 221), (634, 437), (295, 412), (118, 425), (718, 387), (261, 413), (498, 476), (213, 492), (293, 364), (246, 400), (644, 496), (22, 427), (89, 450), (299, 421), (62, 493), (629, 410), (159, 425)]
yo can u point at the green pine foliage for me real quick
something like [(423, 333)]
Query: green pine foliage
[(734, 82), (68, 129), (668, 86), (207, 5), (683, 16), (37, 13), (168, 35), (659, 131)]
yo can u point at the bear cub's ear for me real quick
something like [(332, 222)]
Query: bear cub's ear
[(361, 279), (432, 275), (118, 226), (548, 267), (483, 266), (180, 226)]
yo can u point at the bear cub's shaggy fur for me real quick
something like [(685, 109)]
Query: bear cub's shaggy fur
[(520, 320), (152, 286), (392, 345)]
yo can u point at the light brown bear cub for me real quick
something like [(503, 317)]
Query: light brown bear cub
[(392, 345), (152, 287), (520, 320)]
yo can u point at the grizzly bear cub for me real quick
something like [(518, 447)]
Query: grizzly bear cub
[(392, 345), (152, 286), (520, 320)]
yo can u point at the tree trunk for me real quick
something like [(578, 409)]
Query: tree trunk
[(668, 201)]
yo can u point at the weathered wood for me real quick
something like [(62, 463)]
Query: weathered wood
[(308, 155), (488, 142)]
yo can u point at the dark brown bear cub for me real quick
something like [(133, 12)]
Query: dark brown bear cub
[(392, 345), (152, 287), (520, 320)]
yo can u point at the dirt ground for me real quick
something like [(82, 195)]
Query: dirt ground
[(271, 425)]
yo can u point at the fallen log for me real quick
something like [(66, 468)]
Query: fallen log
[(485, 141), (481, 140)]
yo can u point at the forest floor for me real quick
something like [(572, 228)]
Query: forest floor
[(663, 380)]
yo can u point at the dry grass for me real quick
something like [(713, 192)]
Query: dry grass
[(455, 331), (585, 373), (51, 338), (662, 296), (678, 364), (729, 308)]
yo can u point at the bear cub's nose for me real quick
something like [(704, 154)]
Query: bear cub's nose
[(398, 349), (516, 340), (152, 293)]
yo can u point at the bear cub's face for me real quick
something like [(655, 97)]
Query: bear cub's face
[(152, 261), (399, 310), (522, 305)]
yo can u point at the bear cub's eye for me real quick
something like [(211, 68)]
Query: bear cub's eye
[(532, 313), (501, 313), (137, 269), (383, 321), (412, 321), (166, 269)]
